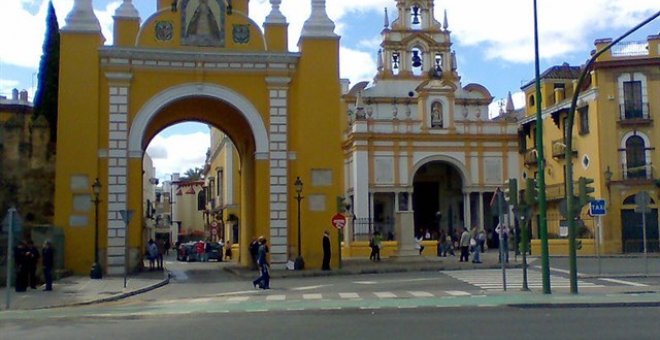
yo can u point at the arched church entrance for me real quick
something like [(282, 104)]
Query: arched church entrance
[(438, 199)]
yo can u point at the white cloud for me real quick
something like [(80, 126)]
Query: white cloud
[(6, 86), (356, 65), (178, 153)]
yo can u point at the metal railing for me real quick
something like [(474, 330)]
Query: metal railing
[(364, 227), (643, 171), (634, 112), (630, 49), (531, 156)]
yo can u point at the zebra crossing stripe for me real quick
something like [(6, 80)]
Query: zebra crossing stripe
[(312, 296), (385, 295), (421, 294), (349, 295), (238, 299), (457, 293), (276, 297)]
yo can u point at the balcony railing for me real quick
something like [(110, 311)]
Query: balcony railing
[(531, 156), (559, 149), (635, 114), (630, 49), (643, 171)]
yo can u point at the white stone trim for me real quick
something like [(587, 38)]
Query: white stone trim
[(275, 16), (127, 10), (319, 24), (278, 96), (82, 18), (158, 102)]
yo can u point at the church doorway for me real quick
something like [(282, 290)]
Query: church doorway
[(438, 199)]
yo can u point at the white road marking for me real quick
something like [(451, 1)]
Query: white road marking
[(421, 294), (628, 283), (385, 295), (310, 287), (238, 298), (275, 297), (457, 293), (366, 282), (349, 295), (312, 296)]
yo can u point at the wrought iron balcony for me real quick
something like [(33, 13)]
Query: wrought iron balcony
[(530, 157), (635, 114), (637, 172), (559, 149)]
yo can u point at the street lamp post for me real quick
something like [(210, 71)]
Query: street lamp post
[(299, 263), (97, 271)]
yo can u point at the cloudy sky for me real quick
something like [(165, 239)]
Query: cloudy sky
[(493, 40)]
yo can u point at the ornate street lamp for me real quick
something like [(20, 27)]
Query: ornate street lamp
[(97, 271), (299, 263)]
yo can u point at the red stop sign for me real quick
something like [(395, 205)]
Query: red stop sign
[(339, 221)]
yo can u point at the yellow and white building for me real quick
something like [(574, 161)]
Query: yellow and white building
[(614, 141), (195, 60), (421, 153)]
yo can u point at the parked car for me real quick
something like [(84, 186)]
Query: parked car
[(213, 251)]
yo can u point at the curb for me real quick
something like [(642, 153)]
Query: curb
[(165, 281)]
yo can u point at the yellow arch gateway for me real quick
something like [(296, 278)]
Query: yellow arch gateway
[(281, 111)]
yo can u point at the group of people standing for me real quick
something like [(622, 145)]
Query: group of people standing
[(26, 259)]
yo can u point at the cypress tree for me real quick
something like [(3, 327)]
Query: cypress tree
[(45, 101)]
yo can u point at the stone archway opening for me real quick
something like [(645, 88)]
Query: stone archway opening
[(244, 129), (438, 200)]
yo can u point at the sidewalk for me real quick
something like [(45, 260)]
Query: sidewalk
[(354, 266), (81, 290)]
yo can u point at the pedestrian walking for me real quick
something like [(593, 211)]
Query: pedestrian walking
[(152, 254), (464, 243), (503, 231), (48, 260), (254, 253), (263, 281), (378, 244), (228, 254), (32, 259), (161, 250), (327, 251), (168, 245), (474, 245), (418, 243)]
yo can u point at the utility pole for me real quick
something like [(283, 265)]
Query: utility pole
[(543, 223)]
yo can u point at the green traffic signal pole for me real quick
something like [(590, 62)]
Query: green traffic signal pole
[(571, 210), (543, 224)]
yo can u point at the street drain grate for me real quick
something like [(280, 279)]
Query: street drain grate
[(108, 293)]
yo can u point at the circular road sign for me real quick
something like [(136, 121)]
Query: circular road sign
[(339, 221)]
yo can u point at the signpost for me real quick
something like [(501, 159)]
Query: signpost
[(126, 216), (597, 209), (339, 222)]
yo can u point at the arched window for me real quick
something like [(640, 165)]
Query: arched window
[(635, 157), (201, 200), (532, 102), (396, 61)]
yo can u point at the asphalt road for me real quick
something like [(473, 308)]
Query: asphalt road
[(430, 323)]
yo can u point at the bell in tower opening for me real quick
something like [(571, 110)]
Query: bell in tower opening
[(415, 15)]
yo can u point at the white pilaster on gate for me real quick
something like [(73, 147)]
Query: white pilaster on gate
[(117, 180), (278, 155)]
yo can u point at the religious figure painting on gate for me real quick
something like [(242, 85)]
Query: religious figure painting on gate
[(203, 23)]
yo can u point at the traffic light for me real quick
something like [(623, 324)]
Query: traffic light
[(511, 192), (585, 189), (531, 193)]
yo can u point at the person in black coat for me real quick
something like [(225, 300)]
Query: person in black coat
[(21, 267), (326, 251), (254, 252), (48, 260), (32, 259)]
